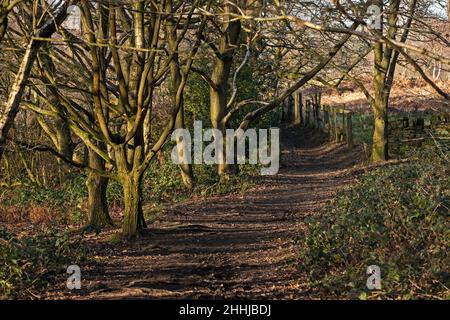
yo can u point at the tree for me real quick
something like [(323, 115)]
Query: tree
[(228, 43), (125, 74), (52, 17), (187, 175), (385, 62)]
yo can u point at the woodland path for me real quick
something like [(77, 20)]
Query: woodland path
[(236, 246)]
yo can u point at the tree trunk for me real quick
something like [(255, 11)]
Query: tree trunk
[(382, 57), (218, 103), (60, 133), (65, 145), (15, 95), (187, 175), (448, 10), (97, 188), (133, 221), (218, 106), (380, 131), (228, 43)]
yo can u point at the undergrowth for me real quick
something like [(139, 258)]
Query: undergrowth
[(28, 265), (395, 217), (65, 202)]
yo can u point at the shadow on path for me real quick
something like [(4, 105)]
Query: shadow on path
[(233, 246)]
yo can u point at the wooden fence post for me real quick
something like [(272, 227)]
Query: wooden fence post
[(308, 112), (349, 133), (297, 108), (326, 118), (405, 122), (335, 124), (300, 112), (286, 111), (283, 113), (318, 120), (315, 122)]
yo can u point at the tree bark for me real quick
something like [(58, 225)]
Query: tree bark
[(385, 62), (133, 220), (97, 193), (218, 101), (228, 44), (448, 10), (12, 105), (380, 131), (187, 175), (130, 177), (65, 145)]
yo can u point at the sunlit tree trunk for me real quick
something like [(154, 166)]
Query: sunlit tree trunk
[(380, 131), (228, 43), (187, 175), (385, 63), (15, 95)]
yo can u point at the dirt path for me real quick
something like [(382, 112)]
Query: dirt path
[(228, 247)]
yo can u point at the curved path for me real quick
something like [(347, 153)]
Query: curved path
[(236, 246)]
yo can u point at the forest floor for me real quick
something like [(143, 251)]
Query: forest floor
[(235, 246)]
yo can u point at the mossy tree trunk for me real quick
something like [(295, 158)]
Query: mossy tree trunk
[(133, 220), (380, 131), (97, 185), (385, 63), (382, 57), (187, 174), (130, 176), (65, 144), (58, 131)]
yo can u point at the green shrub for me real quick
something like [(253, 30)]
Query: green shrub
[(162, 183), (396, 217), (53, 195), (28, 264)]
